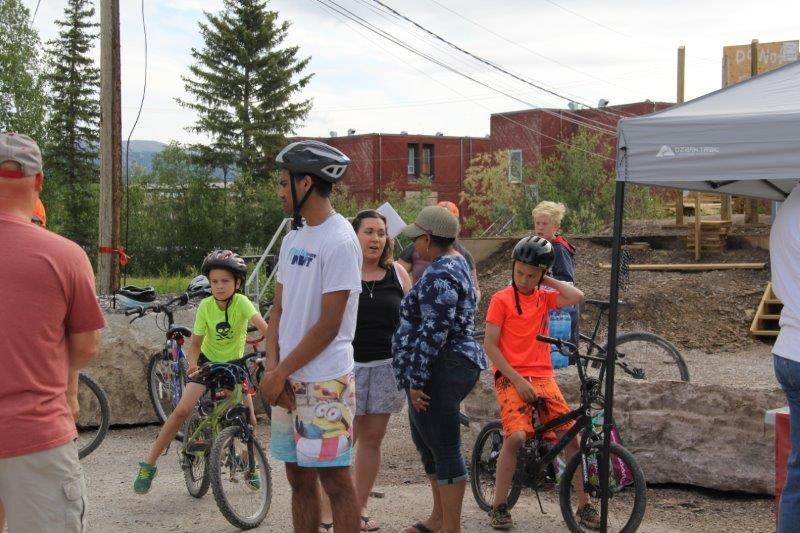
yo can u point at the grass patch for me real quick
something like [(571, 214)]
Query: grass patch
[(162, 284)]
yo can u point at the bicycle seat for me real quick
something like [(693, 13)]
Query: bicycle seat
[(179, 330), (602, 304)]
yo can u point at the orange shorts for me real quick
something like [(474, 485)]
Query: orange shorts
[(517, 414)]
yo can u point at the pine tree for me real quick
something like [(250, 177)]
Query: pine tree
[(72, 176), (23, 101), (243, 85)]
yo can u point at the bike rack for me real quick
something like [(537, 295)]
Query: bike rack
[(251, 286)]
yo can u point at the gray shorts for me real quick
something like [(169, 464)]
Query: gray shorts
[(376, 390), (44, 492)]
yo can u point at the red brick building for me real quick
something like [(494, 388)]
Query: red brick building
[(402, 161), (533, 134)]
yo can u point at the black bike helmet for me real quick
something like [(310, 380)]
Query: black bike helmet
[(534, 251), (313, 158), (227, 260), (140, 294)]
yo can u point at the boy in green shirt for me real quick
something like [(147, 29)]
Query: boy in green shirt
[(220, 333)]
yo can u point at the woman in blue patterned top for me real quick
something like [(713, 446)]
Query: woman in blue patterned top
[(437, 361)]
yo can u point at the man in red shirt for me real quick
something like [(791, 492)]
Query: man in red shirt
[(51, 324)]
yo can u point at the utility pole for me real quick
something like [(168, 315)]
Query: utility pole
[(110, 149), (679, 99)]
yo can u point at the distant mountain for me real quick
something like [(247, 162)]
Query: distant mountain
[(142, 153)]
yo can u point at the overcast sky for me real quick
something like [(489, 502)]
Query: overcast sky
[(623, 51)]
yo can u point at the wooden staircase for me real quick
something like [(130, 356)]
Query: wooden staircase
[(713, 235), (768, 314)]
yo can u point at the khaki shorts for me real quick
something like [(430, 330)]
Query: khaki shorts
[(44, 492)]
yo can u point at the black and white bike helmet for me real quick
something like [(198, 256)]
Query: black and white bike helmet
[(315, 158), (199, 285), (227, 260), (535, 251)]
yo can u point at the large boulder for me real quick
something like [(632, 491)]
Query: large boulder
[(121, 366), (708, 435)]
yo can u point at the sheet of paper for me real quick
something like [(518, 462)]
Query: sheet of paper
[(393, 220)]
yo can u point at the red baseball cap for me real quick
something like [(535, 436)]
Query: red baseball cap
[(20, 149)]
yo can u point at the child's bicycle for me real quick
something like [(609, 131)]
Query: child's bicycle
[(220, 450), (166, 370), (537, 459)]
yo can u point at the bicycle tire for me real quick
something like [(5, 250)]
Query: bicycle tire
[(671, 367), (217, 463), (638, 492), (480, 465), (196, 460), (85, 448), (160, 388)]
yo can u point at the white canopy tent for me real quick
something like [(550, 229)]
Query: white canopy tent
[(742, 140)]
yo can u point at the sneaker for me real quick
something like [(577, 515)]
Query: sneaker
[(252, 481), (145, 478), (501, 517), (588, 516)]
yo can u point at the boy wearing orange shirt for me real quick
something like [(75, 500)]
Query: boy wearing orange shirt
[(522, 367)]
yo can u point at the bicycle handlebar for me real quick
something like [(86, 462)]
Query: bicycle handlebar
[(181, 299), (570, 348)]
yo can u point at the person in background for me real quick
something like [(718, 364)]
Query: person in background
[(41, 480), (784, 253), (437, 362), (383, 285), (547, 217), (416, 265)]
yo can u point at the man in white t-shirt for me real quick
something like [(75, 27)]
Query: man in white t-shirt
[(784, 252), (309, 345)]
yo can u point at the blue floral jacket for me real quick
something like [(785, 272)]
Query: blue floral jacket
[(437, 315)]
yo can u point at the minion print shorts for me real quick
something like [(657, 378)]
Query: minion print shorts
[(319, 433)]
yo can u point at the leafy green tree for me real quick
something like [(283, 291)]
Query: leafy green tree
[(245, 86), (23, 101), (487, 193), (72, 187)]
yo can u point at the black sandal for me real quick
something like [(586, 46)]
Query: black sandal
[(325, 526), (422, 528)]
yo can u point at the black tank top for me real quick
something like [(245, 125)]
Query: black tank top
[(378, 318)]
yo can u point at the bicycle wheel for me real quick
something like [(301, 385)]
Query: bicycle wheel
[(483, 467), (647, 356), (94, 416), (161, 384), (193, 456), (627, 498), (242, 501)]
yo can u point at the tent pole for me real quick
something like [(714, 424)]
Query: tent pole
[(611, 353)]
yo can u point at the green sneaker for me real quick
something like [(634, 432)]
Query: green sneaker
[(588, 516), (252, 481), (501, 517), (145, 478)]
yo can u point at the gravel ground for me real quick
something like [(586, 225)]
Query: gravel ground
[(168, 507)]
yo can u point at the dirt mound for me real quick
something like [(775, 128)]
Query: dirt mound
[(709, 311)]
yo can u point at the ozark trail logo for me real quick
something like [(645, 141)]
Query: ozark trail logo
[(298, 256), (665, 151)]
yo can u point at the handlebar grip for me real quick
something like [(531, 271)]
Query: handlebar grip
[(548, 340), (134, 311)]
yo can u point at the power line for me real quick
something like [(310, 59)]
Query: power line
[(602, 128), (35, 10), (527, 49), (128, 146), (476, 57), (343, 14)]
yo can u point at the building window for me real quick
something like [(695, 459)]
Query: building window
[(413, 155), (426, 168), (515, 166)]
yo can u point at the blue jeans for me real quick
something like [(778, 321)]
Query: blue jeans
[(436, 432), (788, 374)]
